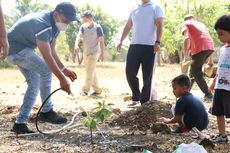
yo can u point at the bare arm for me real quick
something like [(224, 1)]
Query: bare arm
[(4, 46), (77, 41), (211, 61), (54, 54), (175, 119), (159, 25), (186, 45), (70, 74), (125, 32), (212, 86), (102, 47), (46, 52)]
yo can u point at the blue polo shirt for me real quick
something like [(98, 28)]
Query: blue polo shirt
[(36, 26), (143, 18)]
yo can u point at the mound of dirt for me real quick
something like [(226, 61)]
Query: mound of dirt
[(144, 117)]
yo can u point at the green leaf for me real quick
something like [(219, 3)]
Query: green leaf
[(93, 124)]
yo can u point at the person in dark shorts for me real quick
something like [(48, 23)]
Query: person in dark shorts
[(221, 83), (189, 111)]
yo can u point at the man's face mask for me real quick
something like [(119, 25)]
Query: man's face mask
[(60, 25)]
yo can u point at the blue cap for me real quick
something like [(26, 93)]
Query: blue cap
[(68, 10)]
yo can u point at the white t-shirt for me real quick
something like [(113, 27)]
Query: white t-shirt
[(223, 71), (143, 18)]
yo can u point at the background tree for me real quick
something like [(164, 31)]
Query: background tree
[(22, 8)]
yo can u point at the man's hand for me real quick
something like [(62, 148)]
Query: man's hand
[(157, 47), (70, 74), (77, 49), (211, 64), (101, 57), (119, 46), (165, 120), (4, 48), (185, 59), (65, 85), (211, 88)]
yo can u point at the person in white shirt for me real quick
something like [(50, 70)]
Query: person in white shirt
[(146, 22)]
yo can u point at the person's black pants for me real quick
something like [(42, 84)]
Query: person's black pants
[(196, 73), (140, 55)]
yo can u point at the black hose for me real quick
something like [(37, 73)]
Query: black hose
[(39, 111)]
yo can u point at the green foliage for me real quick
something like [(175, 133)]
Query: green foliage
[(4, 64), (90, 122), (103, 110), (98, 114), (61, 45), (23, 7), (71, 33)]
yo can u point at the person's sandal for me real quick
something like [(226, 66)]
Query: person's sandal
[(220, 138)]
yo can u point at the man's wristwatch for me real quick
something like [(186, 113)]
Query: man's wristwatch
[(158, 42)]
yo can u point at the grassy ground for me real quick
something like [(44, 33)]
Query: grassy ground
[(112, 80)]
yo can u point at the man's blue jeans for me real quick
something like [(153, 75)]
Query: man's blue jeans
[(38, 77)]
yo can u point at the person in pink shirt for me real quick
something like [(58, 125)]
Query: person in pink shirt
[(199, 44)]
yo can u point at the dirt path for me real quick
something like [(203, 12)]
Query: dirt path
[(112, 79)]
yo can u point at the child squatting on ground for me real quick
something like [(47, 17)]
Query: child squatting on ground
[(189, 111), (221, 83)]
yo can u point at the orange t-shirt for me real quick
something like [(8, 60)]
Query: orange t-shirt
[(200, 39)]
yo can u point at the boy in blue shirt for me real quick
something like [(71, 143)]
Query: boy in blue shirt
[(189, 111), (221, 83)]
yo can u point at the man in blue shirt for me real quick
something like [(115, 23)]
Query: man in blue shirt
[(40, 30)]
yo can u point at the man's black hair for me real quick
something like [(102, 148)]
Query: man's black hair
[(182, 80), (223, 23)]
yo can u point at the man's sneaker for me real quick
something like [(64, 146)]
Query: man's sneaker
[(96, 93), (208, 97), (51, 117), (219, 138), (210, 110), (181, 129), (84, 93), (21, 129), (134, 104)]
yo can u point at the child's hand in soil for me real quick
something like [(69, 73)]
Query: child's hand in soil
[(164, 120)]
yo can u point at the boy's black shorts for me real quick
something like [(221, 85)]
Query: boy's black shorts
[(221, 103)]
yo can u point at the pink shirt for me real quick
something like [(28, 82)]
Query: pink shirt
[(200, 40)]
